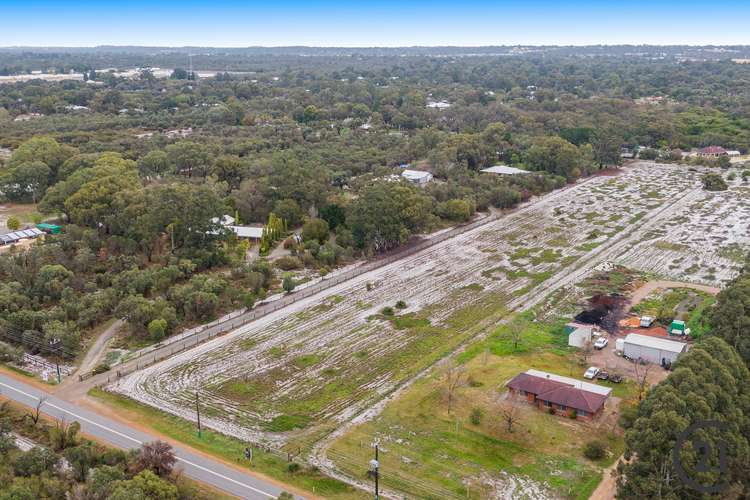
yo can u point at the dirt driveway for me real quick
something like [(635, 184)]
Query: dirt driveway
[(645, 290), (606, 359)]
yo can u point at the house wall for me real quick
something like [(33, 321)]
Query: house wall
[(531, 399)]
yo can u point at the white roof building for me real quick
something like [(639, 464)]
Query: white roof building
[(504, 170), (419, 177), (226, 220), (251, 233), (439, 104)]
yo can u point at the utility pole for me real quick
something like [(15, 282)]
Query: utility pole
[(374, 467), (198, 413), (55, 344)]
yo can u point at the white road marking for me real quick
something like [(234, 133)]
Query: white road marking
[(188, 462)]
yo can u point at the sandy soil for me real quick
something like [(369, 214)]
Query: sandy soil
[(645, 290), (519, 259)]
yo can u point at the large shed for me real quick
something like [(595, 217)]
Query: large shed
[(652, 349)]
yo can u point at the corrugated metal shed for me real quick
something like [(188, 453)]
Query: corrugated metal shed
[(19, 235), (655, 343), (652, 349)]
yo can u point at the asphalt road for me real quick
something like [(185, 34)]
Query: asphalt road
[(195, 466)]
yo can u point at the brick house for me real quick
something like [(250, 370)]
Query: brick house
[(565, 396)]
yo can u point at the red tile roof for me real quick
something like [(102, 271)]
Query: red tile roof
[(558, 392), (713, 150)]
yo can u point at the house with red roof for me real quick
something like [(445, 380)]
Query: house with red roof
[(712, 152), (560, 395)]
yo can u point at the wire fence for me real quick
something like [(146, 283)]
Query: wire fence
[(232, 321)]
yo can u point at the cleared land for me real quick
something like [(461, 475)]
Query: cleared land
[(299, 373)]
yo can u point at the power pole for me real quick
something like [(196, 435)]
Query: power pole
[(198, 413), (374, 466)]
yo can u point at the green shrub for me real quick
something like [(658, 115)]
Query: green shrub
[(476, 416), (387, 311), (401, 304), (714, 182), (292, 467), (594, 450), (288, 263)]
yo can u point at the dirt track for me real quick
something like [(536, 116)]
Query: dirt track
[(645, 290)]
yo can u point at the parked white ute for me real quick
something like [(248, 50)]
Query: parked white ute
[(592, 372), (601, 342)]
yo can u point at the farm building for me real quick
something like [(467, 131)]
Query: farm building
[(504, 170), (578, 334), (418, 177), (16, 236), (652, 349), (565, 396)]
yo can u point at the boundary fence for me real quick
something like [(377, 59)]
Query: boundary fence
[(232, 321)]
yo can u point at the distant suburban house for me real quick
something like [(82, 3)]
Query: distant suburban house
[(243, 232), (247, 232), (733, 153), (578, 334), (179, 133), (438, 104), (712, 152), (504, 170), (75, 107), (28, 116), (563, 395), (418, 177), (653, 349)]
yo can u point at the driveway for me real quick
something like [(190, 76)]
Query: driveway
[(606, 359)]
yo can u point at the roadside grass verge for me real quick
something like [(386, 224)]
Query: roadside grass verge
[(226, 448)]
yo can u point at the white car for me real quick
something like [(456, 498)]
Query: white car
[(601, 342), (591, 373)]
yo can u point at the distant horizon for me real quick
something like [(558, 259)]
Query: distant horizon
[(418, 46), (369, 47), (373, 23)]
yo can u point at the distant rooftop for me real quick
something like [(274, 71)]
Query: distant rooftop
[(504, 170), (414, 175)]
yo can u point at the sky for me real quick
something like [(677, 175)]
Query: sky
[(383, 23)]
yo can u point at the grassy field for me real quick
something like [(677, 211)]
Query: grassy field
[(430, 452), (227, 448)]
